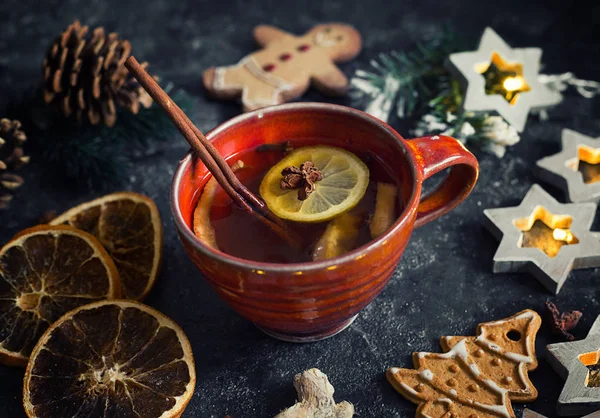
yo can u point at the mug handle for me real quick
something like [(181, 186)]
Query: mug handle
[(434, 154)]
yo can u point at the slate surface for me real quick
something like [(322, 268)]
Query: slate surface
[(444, 284)]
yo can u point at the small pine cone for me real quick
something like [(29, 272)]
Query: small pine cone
[(12, 157), (86, 78)]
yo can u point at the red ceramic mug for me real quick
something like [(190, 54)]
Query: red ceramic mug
[(310, 301)]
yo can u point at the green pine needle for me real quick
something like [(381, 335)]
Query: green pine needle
[(416, 74), (417, 84), (92, 155)]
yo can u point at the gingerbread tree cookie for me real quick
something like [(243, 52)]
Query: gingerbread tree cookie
[(286, 66), (476, 376)]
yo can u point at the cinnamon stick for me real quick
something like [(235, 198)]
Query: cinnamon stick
[(176, 115), (209, 155)]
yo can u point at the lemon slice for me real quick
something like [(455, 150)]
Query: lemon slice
[(344, 183)]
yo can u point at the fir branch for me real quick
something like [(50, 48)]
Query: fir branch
[(418, 85), (406, 79), (92, 155)]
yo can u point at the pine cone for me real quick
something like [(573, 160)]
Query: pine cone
[(86, 78), (11, 158)]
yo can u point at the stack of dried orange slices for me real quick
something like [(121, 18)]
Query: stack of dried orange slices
[(88, 354), (128, 226)]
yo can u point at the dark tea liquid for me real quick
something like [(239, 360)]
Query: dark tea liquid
[(242, 235)]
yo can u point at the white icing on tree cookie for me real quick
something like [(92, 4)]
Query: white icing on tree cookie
[(492, 369)]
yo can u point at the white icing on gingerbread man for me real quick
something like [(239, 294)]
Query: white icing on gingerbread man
[(286, 66)]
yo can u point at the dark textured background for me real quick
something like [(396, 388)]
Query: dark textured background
[(444, 284)]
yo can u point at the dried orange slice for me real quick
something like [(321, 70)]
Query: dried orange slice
[(45, 272), (128, 225), (113, 358)]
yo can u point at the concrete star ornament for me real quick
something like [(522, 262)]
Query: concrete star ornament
[(544, 237), (576, 169), (502, 79), (528, 413), (578, 363)]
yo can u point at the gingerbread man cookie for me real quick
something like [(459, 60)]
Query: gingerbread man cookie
[(286, 66)]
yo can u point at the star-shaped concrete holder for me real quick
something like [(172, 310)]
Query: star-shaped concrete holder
[(571, 360), (562, 169), (465, 67), (528, 413), (573, 219)]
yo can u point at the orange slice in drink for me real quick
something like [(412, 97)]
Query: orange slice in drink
[(128, 225)]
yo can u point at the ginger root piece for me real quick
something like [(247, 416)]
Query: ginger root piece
[(339, 236), (203, 228), (315, 398), (385, 209)]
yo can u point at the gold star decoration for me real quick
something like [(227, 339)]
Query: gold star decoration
[(546, 231), (503, 78), (592, 362), (499, 78), (588, 164)]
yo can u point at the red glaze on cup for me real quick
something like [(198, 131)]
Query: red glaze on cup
[(310, 301)]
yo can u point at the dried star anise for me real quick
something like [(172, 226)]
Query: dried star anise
[(292, 178), (563, 322), (302, 178)]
